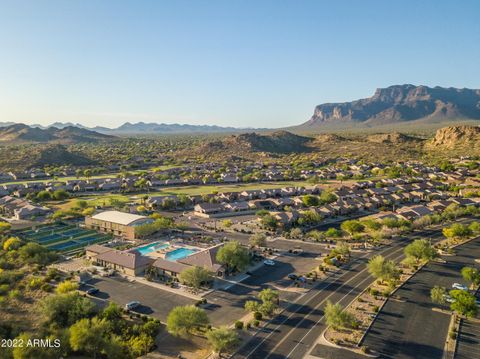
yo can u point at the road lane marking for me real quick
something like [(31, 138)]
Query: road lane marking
[(319, 304), (318, 321), (414, 236), (316, 295)]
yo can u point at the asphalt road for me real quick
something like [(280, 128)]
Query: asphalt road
[(409, 328), (293, 333), (225, 305)]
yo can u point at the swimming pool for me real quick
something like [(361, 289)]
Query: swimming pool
[(179, 253), (152, 247)]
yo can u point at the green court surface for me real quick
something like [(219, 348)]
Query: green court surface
[(62, 237)]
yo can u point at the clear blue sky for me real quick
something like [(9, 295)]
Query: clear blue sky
[(238, 63)]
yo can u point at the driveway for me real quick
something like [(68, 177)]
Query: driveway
[(155, 302)]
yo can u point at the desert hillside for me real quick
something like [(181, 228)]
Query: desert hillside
[(20, 133)]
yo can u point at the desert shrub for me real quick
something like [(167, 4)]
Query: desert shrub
[(257, 316)]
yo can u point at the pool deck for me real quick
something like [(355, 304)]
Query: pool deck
[(163, 252)]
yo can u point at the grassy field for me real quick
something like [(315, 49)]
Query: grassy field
[(206, 189), (105, 175), (105, 199)]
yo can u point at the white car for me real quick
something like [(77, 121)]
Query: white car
[(459, 286), (269, 262), (448, 299)]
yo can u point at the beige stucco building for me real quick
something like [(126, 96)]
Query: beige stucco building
[(118, 223)]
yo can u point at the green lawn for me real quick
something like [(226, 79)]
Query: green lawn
[(206, 189), (104, 199), (93, 200), (106, 175)]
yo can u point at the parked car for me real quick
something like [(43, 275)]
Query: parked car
[(292, 276), (269, 262), (448, 299), (459, 286), (132, 305), (297, 250), (93, 291)]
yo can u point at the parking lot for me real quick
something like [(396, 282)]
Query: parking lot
[(468, 341), (224, 306), (154, 301), (227, 305), (468, 344), (409, 328)]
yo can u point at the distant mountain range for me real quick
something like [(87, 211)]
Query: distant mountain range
[(20, 133), (141, 128), (65, 133), (146, 128), (406, 105), (399, 104)]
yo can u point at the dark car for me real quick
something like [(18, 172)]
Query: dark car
[(92, 291), (292, 276)]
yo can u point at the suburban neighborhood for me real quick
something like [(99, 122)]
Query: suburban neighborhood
[(222, 251), (239, 179)]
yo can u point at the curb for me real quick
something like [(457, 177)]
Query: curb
[(360, 342), (325, 341), (260, 328)]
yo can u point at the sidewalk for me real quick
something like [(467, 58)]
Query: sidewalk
[(165, 288)]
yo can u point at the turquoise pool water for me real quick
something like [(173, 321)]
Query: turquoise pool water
[(179, 253), (152, 247)]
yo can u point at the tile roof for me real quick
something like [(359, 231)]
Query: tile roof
[(171, 266), (97, 248), (125, 259), (205, 258)]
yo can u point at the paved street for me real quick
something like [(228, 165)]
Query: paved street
[(294, 333), (409, 328)]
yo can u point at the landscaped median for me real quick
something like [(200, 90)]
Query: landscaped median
[(347, 327)]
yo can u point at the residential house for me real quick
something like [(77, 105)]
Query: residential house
[(413, 212), (208, 209)]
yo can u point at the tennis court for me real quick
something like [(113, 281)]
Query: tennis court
[(62, 237)]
